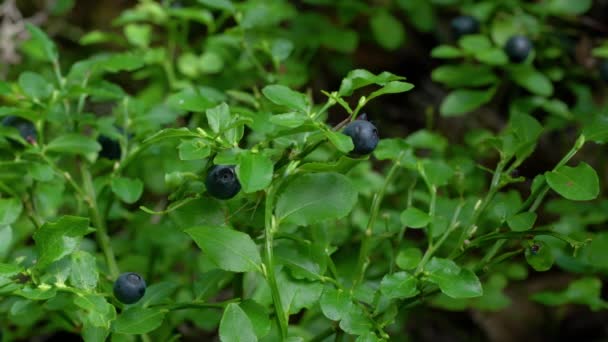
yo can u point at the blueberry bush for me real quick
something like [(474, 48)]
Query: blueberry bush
[(263, 170)]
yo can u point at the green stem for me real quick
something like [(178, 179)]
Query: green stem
[(481, 206), (508, 235), (502, 258), (364, 251), (433, 247), (101, 231), (83, 97), (536, 198), (270, 227)]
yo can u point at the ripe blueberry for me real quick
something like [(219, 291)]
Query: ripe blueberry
[(110, 148), (518, 48), (221, 182), (25, 127), (604, 70), (129, 288), (463, 25), (364, 135)]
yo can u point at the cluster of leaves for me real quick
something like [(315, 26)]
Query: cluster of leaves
[(113, 181)]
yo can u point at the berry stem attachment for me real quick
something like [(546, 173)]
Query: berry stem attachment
[(270, 227), (101, 230)]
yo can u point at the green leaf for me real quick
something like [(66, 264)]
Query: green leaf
[(597, 129), (55, 240), (210, 63), (585, 291), (454, 281), (522, 221), (392, 87), (399, 285), (312, 198), (258, 315), (435, 172), (446, 52), (539, 256), (10, 210), (569, 7), (464, 75), (218, 117), (531, 79), (74, 144), (521, 136), (342, 142), (356, 322), (291, 119), (493, 56), (120, 62), (35, 86), (138, 320), (283, 96), (138, 35), (236, 326), (579, 183), (129, 190), (254, 171), (414, 218), (394, 148), (91, 333), (83, 271), (225, 5), (360, 78), (46, 44), (335, 303), (231, 250), (297, 294), (463, 101), (192, 99), (41, 172), (427, 140), (170, 133), (387, 30), (98, 311), (474, 43), (408, 258), (194, 149)]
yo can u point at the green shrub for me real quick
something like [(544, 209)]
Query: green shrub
[(193, 150)]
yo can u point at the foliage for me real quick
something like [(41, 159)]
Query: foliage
[(320, 240)]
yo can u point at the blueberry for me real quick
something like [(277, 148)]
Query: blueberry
[(463, 25), (518, 48), (110, 148), (129, 288), (364, 135), (26, 128), (604, 70), (221, 182)]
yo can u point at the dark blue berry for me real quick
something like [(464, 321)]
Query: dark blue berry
[(463, 25), (26, 128), (129, 288), (221, 182), (110, 148), (364, 135), (518, 48), (604, 70)]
